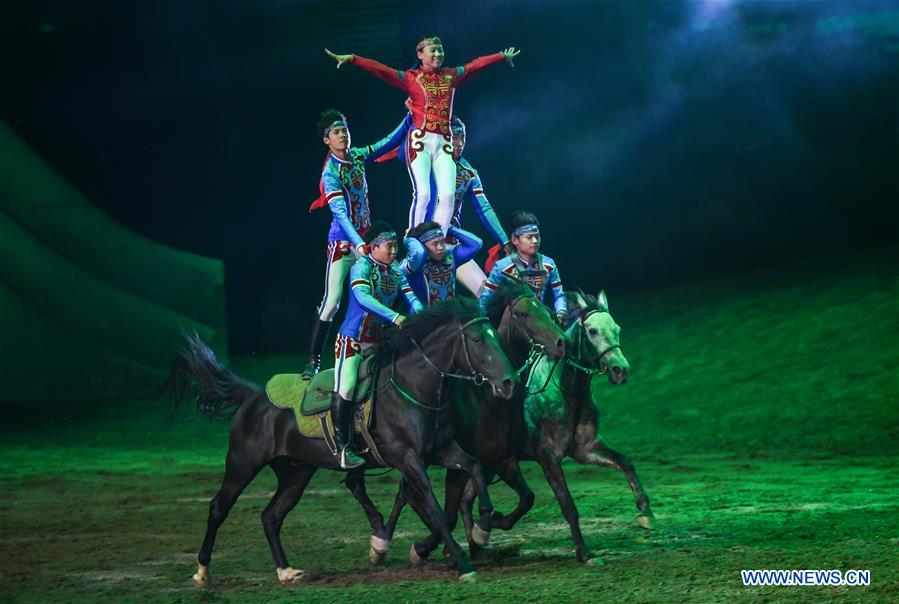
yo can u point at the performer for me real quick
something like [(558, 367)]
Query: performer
[(375, 282), (469, 186), (343, 189), (431, 88), (430, 270), (527, 264)]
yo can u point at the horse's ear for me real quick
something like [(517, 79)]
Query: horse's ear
[(602, 300), (580, 301)]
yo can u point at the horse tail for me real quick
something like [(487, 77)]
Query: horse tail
[(196, 371)]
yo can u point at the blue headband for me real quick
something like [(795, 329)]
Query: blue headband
[(525, 229), (333, 125), (385, 236), (430, 235)]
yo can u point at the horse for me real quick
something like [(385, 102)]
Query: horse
[(559, 418), (413, 428), (480, 423)]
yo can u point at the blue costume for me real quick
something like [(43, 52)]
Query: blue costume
[(542, 276), (432, 280), (469, 187), (373, 288)]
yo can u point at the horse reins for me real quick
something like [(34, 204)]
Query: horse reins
[(475, 376)]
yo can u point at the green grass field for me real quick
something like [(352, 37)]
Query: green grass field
[(762, 413)]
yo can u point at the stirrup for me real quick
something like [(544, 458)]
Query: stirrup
[(349, 459)]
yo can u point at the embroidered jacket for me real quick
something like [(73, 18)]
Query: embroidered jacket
[(431, 280), (542, 276), (373, 288), (344, 188), (431, 91)]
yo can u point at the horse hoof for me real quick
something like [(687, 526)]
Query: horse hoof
[(201, 577), (597, 561), (414, 558), (471, 577), (289, 575), (376, 558), (647, 522), (379, 545), (480, 536)]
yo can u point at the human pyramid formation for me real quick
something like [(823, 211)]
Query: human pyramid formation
[(430, 141)]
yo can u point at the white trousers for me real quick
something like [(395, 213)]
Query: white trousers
[(430, 153)]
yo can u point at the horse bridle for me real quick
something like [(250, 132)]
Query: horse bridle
[(536, 349), (474, 376), (596, 368)]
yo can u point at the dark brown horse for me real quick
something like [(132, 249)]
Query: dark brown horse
[(412, 427)]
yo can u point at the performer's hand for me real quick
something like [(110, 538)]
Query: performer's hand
[(341, 59), (509, 54), (560, 317), (408, 103), (399, 321)]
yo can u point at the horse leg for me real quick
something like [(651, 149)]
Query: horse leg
[(598, 453), (552, 469), (512, 476), (379, 541), (421, 498), (292, 481), (398, 504), (454, 458), (453, 488), (239, 472)]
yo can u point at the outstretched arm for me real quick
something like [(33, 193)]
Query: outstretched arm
[(469, 244), (390, 142), (392, 76), (471, 68), (484, 210)]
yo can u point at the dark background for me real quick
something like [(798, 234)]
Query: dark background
[(659, 142)]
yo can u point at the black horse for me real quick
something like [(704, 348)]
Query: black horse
[(412, 427), (483, 425), (558, 418)]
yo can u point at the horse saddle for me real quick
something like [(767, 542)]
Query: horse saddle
[(311, 403)]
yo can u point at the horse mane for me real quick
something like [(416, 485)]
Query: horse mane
[(574, 309), (395, 341), (502, 297)]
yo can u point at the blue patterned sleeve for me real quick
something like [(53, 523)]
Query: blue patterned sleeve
[(494, 279), (469, 244), (415, 305), (475, 194), (560, 304), (360, 284), (388, 143), (337, 203), (415, 256)]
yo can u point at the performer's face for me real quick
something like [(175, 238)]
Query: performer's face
[(436, 248), (527, 244), (431, 56), (385, 253), (458, 145), (338, 139)]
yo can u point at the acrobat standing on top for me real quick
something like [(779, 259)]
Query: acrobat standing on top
[(344, 190), (430, 88)]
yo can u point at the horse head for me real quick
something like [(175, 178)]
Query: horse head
[(597, 339), (456, 341), (524, 318)]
